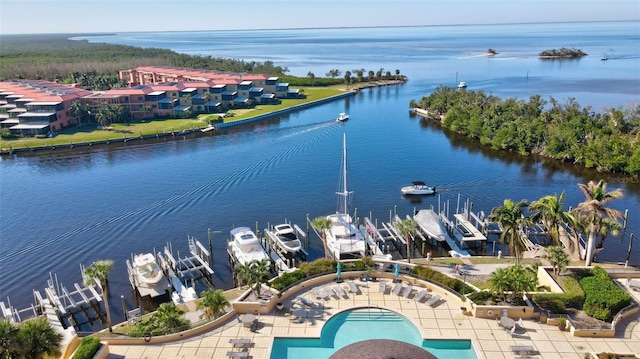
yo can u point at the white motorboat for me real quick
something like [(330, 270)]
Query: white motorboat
[(286, 238), (146, 275), (344, 239), (462, 85), (429, 221), (342, 117), (418, 188), (245, 246)]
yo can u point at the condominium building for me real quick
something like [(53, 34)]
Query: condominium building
[(32, 107)]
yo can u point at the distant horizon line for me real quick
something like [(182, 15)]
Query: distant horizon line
[(101, 33)]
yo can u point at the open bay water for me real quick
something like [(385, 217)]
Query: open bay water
[(62, 208)]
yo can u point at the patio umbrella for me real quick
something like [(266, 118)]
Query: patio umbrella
[(396, 271), (339, 270)]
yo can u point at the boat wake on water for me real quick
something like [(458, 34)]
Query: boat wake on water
[(196, 194)]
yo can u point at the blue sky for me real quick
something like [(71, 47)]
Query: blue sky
[(88, 16)]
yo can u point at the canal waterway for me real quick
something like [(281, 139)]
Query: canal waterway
[(63, 208)]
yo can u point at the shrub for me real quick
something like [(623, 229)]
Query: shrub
[(480, 297), (573, 296), (603, 298), (441, 278), (88, 347)]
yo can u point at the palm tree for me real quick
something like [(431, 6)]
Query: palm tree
[(511, 218), (169, 317), (37, 337), (311, 76), (79, 110), (608, 226), (321, 224), (254, 273), (212, 303), (9, 339), (103, 117), (549, 210), (407, 228), (499, 282), (522, 279), (99, 271), (558, 258), (145, 110), (593, 208)]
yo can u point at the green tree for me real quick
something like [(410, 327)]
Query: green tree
[(212, 303), (550, 211), (558, 258), (347, 78), (499, 282), (515, 280), (321, 224), (334, 73), (311, 76), (407, 228), (9, 339), (146, 110), (511, 218), (169, 317), (98, 272), (608, 226), (37, 337), (104, 117), (79, 111), (594, 211), (253, 274)]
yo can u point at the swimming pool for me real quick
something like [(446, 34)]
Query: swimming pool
[(361, 324)]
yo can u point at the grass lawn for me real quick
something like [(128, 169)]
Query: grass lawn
[(87, 133)]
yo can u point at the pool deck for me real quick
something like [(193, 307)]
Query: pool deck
[(442, 321)]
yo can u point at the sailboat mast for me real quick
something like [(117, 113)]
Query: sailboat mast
[(344, 173)]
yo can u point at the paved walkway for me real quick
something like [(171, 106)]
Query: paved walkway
[(445, 321)]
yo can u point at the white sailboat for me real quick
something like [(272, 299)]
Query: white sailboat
[(344, 239)]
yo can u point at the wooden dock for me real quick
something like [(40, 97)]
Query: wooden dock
[(285, 261), (183, 272), (65, 309)]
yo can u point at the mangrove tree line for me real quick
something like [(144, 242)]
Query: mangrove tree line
[(607, 141)]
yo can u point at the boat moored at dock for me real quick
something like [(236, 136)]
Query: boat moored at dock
[(146, 275), (245, 247), (343, 238), (285, 237)]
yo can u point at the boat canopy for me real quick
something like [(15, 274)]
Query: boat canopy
[(418, 183)]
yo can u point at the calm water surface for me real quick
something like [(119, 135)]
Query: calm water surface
[(61, 209)]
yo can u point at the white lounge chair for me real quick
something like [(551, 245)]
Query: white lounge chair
[(353, 288), (420, 295), (383, 287), (407, 291), (433, 300), (339, 291), (320, 293), (397, 288)]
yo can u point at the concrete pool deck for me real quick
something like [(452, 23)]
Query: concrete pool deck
[(443, 321)]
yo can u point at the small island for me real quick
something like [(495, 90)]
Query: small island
[(562, 53)]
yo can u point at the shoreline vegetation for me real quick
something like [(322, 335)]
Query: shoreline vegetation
[(606, 142)]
